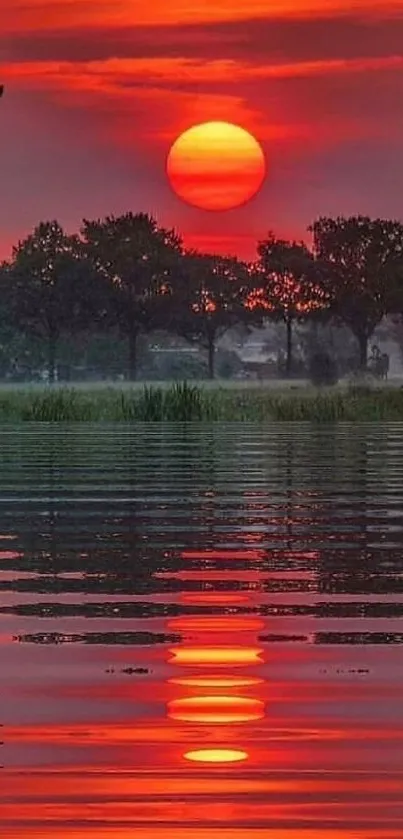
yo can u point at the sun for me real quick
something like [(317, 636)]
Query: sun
[(216, 166)]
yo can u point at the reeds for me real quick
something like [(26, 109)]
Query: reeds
[(188, 403)]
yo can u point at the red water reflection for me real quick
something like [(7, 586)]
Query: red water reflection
[(216, 709), (208, 598), (216, 756), (216, 656), (219, 625), (197, 832), (206, 745), (223, 555), (216, 681), (205, 645)]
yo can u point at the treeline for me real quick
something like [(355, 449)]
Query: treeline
[(126, 277)]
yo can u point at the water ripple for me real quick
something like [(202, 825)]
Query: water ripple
[(200, 631)]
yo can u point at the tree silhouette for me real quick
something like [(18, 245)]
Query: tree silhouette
[(285, 285), (138, 260), (50, 288), (210, 299), (361, 266)]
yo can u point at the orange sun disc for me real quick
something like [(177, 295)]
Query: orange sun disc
[(216, 166)]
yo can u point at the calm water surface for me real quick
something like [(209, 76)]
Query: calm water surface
[(201, 632)]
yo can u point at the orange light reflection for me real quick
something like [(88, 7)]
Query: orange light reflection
[(207, 598), (216, 682), (235, 554), (219, 656), (225, 623), (216, 756), (216, 709)]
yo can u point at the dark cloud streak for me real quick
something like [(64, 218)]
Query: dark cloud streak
[(255, 40)]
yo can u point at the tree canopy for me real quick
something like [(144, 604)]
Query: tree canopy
[(138, 260), (361, 263), (127, 277), (210, 299), (49, 286), (286, 285)]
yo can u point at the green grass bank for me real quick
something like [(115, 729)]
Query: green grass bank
[(189, 403)]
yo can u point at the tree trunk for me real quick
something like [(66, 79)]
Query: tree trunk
[(133, 356), (211, 357), (363, 345), (315, 334), (288, 362), (51, 359)]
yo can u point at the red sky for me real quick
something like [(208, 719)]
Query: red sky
[(96, 92)]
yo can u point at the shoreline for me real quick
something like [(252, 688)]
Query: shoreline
[(187, 402)]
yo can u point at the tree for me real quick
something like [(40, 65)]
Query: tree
[(361, 264), (210, 299), (331, 338), (138, 260), (50, 287), (286, 287)]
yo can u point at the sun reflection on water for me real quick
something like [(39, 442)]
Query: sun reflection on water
[(216, 756), (216, 656), (217, 709), (205, 645)]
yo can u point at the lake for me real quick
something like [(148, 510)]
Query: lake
[(201, 631)]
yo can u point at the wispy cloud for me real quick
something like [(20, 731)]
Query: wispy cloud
[(51, 14), (119, 74)]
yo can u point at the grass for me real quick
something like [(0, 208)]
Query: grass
[(189, 403)]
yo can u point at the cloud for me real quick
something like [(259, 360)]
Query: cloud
[(279, 39), (120, 73), (156, 98), (120, 77), (40, 15)]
